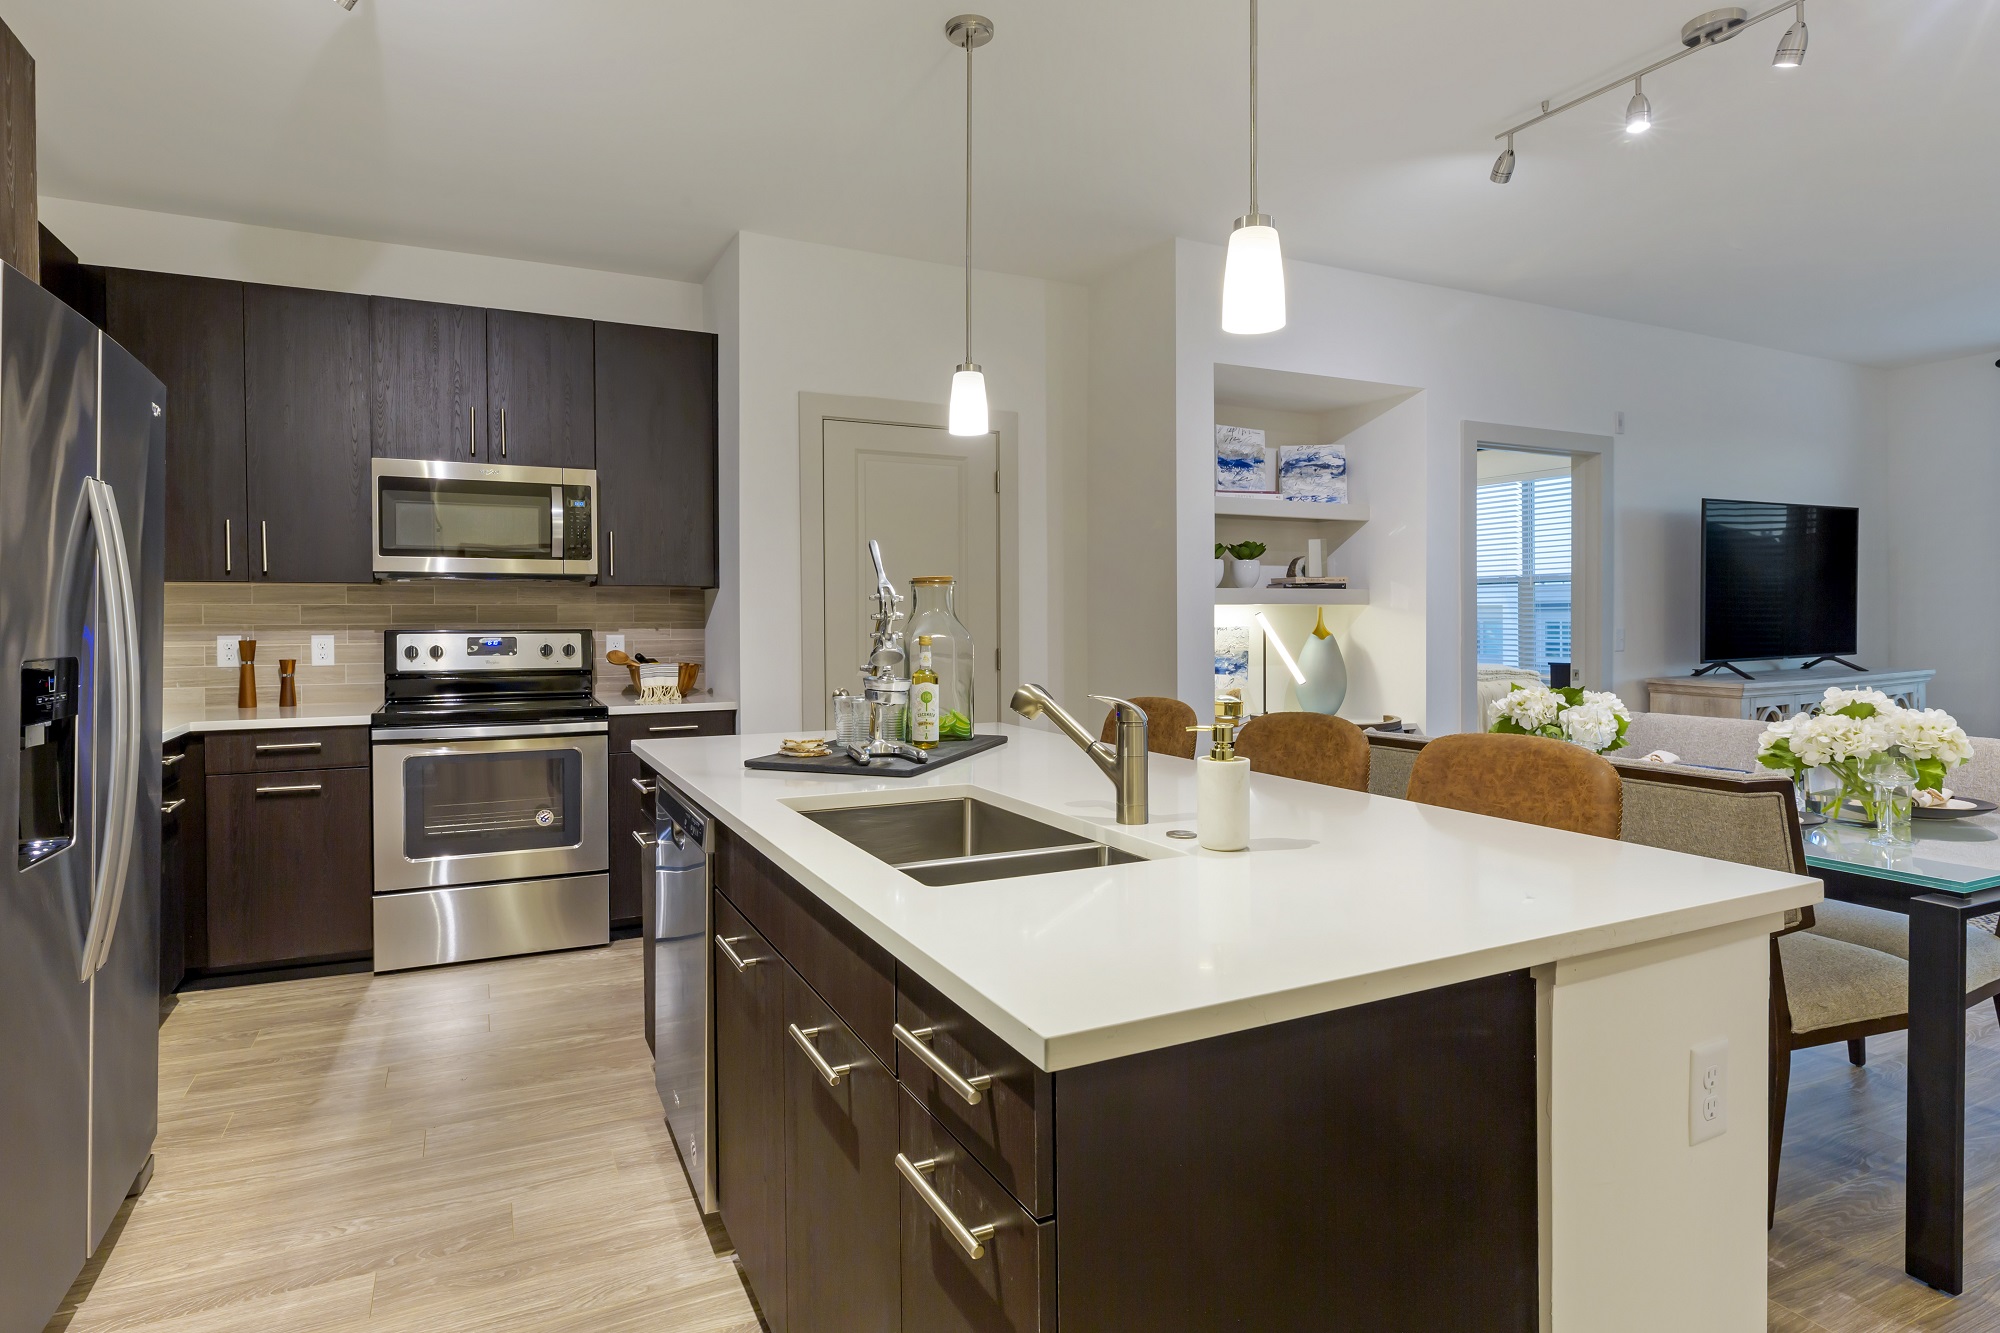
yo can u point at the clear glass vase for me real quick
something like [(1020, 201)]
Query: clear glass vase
[(1893, 782), (951, 652)]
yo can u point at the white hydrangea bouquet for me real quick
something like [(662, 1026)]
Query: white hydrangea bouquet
[(1594, 719), (1849, 730)]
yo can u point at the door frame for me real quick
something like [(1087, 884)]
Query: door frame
[(815, 410), (1592, 545)]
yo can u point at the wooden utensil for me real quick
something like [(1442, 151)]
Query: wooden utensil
[(618, 657)]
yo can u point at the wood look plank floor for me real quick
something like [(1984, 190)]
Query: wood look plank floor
[(1836, 1255), (472, 1148)]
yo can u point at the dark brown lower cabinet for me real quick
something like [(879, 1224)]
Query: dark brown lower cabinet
[(290, 873), (840, 1175), (1011, 1288), (750, 1104)]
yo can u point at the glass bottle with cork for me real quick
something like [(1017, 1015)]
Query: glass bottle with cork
[(925, 711), (933, 615)]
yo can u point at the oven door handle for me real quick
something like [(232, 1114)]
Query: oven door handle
[(515, 731)]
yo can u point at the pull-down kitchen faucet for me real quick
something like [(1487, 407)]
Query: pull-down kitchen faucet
[(1124, 764)]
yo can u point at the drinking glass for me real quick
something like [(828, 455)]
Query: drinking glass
[(1818, 791), (1894, 782)]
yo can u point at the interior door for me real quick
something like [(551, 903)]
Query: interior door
[(932, 499)]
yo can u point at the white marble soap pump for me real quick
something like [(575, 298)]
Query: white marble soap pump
[(1222, 784)]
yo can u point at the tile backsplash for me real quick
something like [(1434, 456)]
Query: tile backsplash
[(665, 623)]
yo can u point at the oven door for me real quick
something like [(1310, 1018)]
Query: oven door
[(480, 520), (478, 811)]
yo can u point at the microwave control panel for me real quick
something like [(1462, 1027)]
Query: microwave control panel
[(576, 523)]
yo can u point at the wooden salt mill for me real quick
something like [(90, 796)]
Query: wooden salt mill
[(246, 674)]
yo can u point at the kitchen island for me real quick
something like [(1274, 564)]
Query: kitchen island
[(1392, 1067)]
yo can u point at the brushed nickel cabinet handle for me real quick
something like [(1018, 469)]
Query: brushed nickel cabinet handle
[(291, 747), (173, 805), (264, 529), (228, 545), (643, 787), (646, 841), (678, 726), (611, 541), (297, 789), (971, 1090), (503, 432), (804, 1037), (171, 760), (737, 960), (472, 433), (970, 1239)]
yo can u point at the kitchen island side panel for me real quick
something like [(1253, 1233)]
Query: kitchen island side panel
[(1373, 1167)]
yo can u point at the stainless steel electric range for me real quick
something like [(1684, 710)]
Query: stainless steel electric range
[(491, 813)]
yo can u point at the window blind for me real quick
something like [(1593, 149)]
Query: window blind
[(1522, 562)]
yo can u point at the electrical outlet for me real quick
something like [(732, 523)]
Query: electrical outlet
[(225, 651), (322, 650), (1708, 1091), (614, 643)]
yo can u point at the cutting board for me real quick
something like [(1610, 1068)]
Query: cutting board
[(839, 765)]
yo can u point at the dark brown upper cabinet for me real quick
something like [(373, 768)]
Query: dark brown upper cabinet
[(427, 395), (539, 390), (656, 443), (307, 365), (189, 332)]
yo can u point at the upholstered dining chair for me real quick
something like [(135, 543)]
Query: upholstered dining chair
[(1826, 987), (1529, 779), (1311, 747), (1167, 723), (1391, 756)]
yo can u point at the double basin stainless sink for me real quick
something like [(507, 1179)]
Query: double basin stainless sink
[(963, 840)]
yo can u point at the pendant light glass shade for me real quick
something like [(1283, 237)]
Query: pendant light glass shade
[(968, 402), (1253, 278)]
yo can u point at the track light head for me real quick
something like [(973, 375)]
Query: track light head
[(1792, 48), (345, 4), (1503, 166), (1638, 111)]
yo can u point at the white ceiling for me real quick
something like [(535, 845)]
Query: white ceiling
[(1845, 209)]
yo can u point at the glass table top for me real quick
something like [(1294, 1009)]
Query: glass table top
[(1952, 855)]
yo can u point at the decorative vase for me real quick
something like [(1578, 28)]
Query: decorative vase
[(1220, 567), (1324, 689), (1244, 573)]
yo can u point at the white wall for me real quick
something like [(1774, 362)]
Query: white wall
[(815, 319), (1703, 417), (1941, 469), (205, 247)]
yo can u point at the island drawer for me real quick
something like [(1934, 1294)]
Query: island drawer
[(996, 1104), (283, 751), (851, 972), (629, 727), (1011, 1286)]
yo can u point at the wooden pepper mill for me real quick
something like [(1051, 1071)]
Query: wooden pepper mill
[(246, 674), (288, 682)]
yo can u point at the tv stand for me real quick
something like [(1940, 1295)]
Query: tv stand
[(1776, 694), (1851, 666), (1721, 666)]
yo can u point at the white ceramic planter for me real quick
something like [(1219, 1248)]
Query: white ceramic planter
[(1220, 565), (1243, 573)]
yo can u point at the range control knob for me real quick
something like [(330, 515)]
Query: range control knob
[(437, 652), (410, 653), (548, 650), (569, 650)]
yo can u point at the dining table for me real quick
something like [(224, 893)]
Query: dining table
[(1947, 875)]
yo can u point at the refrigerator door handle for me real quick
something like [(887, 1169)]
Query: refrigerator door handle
[(115, 589), (135, 744)]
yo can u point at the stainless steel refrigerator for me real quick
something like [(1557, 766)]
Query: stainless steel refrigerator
[(82, 501)]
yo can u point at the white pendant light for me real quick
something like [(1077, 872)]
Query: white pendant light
[(968, 415), (1253, 275)]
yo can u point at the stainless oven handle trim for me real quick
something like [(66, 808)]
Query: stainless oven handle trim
[(557, 546), (519, 731)]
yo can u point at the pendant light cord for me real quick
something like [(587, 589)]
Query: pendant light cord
[(968, 197), (1253, 106)]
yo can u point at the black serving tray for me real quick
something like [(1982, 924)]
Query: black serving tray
[(838, 764)]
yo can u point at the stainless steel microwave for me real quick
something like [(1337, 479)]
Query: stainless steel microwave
[(475, 520)]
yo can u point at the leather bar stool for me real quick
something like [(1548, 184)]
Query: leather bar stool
[(1311, 747), (1530, 779), (1167, 723)]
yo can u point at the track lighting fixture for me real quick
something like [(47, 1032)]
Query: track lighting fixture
[(968, 415), (1792, 49), (1253, 274), (345, 4), (1698, 34), (1638, 111)]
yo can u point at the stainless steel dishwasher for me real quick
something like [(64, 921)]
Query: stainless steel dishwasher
[(677, 981)]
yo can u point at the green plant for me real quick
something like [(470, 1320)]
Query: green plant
[(1248, 550), (1220, 550)]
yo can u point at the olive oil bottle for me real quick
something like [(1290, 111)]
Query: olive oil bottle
[(924, 698)]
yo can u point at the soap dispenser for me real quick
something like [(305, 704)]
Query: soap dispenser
[(1222, 784)]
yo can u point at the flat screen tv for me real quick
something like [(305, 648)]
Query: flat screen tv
[(1777, 580)]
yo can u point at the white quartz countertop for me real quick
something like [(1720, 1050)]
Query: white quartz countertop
[(1343, 898), (180, 723)]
